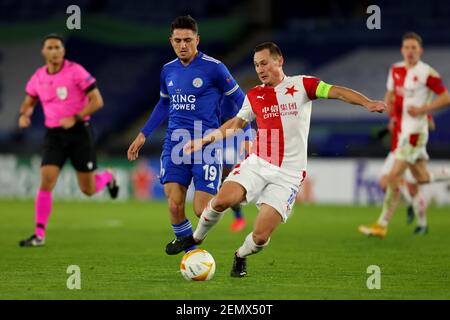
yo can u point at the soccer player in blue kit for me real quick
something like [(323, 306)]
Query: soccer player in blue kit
[(191, 89)]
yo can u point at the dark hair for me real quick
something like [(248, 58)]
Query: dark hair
[(272, 47), (53, 36), (413, 35), (184, 22)]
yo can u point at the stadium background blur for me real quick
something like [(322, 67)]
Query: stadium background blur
[(125, 43)]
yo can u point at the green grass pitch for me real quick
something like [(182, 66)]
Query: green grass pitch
[(317, 254)]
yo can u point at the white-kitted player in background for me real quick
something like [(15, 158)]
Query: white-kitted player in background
[(411, 84)]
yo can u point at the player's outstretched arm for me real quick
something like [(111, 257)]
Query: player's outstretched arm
[(441, 101), (26, 110), (354, 97), (228, 129), (159, 114)]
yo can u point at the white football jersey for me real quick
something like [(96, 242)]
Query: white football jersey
[(283, 115), (413, 87)]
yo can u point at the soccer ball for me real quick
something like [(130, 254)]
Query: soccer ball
[(197, 265)]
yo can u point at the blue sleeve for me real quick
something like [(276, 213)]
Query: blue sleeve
[(162, 85), (229, 87), (248, 132), (224, 80), (159, 114), (229, 109), (161, 110)]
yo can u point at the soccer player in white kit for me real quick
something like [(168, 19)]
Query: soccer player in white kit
[(411, 191), (411, 84), (272, 174)]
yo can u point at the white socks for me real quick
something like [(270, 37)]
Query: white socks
[(391, 200), (418, 203), (207, 220), (250, 247), (404, 190), (419, 206)]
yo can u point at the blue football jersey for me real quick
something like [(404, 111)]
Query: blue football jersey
[(195, 92)]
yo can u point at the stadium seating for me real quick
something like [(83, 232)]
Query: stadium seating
[(127, 63)]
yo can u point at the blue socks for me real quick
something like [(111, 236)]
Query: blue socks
[(183, 229), (237, 211)]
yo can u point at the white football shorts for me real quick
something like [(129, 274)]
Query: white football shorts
[(267, 183), (389, 163), (412, 147)]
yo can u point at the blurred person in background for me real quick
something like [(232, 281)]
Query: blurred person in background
[(411, 84), (143, 180), (69, 96), (410, 190)]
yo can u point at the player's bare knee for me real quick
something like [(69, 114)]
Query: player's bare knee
[(87, 191), (47, 183), (423, 180), (394, 181), (260, 238), (422, 177), (221, 202), (413, 189), (176, 208), (392, 177), (198, 211)]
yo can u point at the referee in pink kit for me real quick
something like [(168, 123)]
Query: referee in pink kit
[(69, 95)]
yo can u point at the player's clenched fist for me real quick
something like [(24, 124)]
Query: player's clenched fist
[(24, 121), (133, 150), (376, 106), (415, 111)]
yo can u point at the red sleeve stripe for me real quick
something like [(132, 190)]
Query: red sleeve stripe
[(435, 84), (310, 84)]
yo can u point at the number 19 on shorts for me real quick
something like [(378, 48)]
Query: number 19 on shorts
[(210, 172)]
